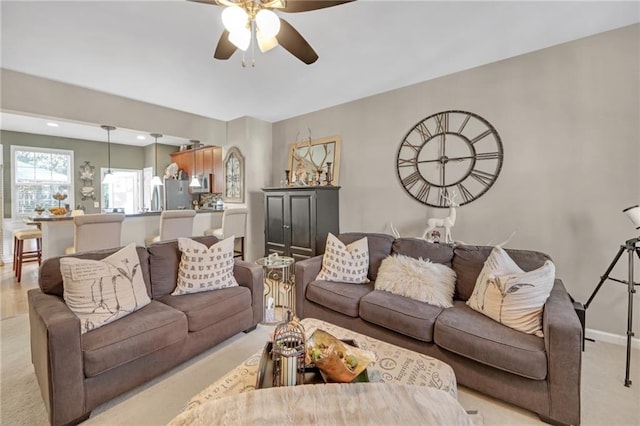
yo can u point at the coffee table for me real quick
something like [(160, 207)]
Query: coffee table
[(394, 365)]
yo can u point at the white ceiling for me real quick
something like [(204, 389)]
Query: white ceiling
[(160, 52)]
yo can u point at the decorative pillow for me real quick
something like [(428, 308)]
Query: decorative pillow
[(418, 279), (345, 263), (101, 291), (507, 294), (204, 269)]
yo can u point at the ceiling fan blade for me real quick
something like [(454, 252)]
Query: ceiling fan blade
[(294, 6), (212, 2), (225, 48), (291, 40)]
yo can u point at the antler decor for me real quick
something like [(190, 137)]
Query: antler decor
[(303, 155)]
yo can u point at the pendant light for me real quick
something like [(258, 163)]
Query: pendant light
[(195, 182), (108, 177), (156, 181)]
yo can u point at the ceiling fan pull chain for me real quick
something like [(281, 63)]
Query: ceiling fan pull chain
[(253, 44)]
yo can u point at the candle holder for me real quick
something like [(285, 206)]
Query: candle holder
[(329, 178)]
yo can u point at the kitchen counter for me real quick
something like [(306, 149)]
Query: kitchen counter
[(49, 217), (57, 231)]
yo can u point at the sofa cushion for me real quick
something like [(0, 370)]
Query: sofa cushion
[(145, 331), (417, 279), (419, 248), (207, 308), (468, 261), (339, 297), (204, 268), (346, 263), (468, 333), (507, 294), (164, 258), (379, 248), (102, 291), (400, 314)]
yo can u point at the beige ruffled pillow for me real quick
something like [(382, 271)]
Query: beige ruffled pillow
[(507, 294), (101, 291), (205, 268), (417, 279), (345, 263)]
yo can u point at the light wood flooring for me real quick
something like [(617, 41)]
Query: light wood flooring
[(13, 295)]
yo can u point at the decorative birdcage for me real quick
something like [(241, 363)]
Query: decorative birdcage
[(288, 353)]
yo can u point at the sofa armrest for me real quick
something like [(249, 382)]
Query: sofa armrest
[(305, 272), (250, 275), (56, 354), (563, 344)]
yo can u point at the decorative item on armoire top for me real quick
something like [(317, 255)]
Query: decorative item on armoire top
[(315, 158), (234, 176), (449, 150)]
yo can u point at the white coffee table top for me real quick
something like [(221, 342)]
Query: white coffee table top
[(331, 404)]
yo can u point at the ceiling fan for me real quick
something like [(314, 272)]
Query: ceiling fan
[(243, 18)]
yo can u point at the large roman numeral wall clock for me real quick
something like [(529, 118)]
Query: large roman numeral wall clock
[(449, 151)]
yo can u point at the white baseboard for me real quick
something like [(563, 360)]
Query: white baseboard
[(616, 339)]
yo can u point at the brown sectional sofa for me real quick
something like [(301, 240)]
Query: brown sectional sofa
[(538, 374), (76, 373)]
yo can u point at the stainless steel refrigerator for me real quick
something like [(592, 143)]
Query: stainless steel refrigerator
[(176, 195)]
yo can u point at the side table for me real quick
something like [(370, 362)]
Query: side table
[(278, 281)]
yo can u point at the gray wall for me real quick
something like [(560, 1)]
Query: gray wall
[(122, 156), (568, 118)]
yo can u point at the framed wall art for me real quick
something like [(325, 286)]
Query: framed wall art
[(233, 176), (315, 162)]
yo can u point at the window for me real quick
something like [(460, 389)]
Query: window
[(37, 174), (124, 193)]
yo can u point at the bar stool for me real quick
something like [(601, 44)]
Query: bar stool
[(96, 232), (173, 224), (19, 255), (234, 222)]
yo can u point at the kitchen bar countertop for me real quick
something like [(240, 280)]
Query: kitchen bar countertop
[(57, 231), (49, 217)]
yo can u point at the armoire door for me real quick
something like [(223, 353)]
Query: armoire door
[(274, 234), (301, 226)]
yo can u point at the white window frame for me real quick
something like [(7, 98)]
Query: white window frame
[(138, 198), (71, 182)]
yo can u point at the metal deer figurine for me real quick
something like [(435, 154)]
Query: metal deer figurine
[(446, 222)]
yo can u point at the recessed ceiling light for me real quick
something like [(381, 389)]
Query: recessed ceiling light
[(52, 124), (140, 137)]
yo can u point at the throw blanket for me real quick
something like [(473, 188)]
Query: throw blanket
[(331, 404)]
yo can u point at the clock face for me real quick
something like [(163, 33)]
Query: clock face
[(446, 152), (234, 180)]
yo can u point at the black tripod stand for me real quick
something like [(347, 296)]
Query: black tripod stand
[(630, 246)]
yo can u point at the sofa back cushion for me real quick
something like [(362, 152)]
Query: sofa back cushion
[(164, 260), (468, 261), (419, 248), (379, 248), (50, 277)]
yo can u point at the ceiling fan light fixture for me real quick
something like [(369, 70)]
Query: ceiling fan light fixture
[(268, 23), (234, 18), (265, 44), (240, 38)]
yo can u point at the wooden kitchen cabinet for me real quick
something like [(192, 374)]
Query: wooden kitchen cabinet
[(206, 160), (298, 220)]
